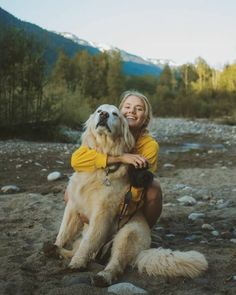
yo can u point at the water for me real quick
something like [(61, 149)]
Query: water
[(189, 146)]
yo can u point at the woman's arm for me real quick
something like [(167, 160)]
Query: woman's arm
[(85, 159), (134, 159)]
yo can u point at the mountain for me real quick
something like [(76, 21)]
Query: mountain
[(133, 64), (53, 42), (71, 44)]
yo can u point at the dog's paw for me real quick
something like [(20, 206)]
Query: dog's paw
[(102, 279), (78, 264)]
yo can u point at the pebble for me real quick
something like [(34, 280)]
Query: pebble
[(192, 238), (233, 232), (179, 186), (215, 233), (187, 200), (168, 166), (8, 189), (207, 226), (54, 176), (77, 280), (126, 289), (206, 198), (223, 205), (194, 216), (233, 241), (169, 204), (226, 234), (170, 236)]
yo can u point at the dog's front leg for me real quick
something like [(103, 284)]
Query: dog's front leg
[(71, 224), (92, 241)]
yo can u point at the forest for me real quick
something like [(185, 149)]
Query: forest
[(66, 93)]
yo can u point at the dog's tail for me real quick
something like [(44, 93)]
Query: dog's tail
[(170, 263)]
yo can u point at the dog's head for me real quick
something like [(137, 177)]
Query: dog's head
[(108, 123)]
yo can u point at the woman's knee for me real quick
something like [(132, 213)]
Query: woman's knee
[(154, 192)]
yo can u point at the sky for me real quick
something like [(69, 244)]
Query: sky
[(179, 30)]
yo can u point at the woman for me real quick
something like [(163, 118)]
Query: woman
[(136, 108)]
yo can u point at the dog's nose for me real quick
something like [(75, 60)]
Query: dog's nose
[(104, 115)]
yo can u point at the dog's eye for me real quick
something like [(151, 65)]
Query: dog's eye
[(99, 111), (115, 114)]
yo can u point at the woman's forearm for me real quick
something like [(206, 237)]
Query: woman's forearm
[(137, 160), (113, 159)]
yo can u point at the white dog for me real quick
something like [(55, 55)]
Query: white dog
[(98, 195)]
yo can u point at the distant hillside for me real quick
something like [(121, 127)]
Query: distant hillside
[(132, 64), (54, 42)]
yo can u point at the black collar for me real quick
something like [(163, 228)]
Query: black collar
[(112, 168)]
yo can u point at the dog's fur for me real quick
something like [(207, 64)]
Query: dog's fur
[(107, 132)]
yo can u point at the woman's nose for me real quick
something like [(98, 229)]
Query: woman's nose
[(132, 110)]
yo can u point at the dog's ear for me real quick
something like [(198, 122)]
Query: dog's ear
[(127, 135), (88, 127)]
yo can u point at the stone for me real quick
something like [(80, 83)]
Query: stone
[(207, 226), (170, 236), (54, 176), (187, 200), (194, 216), (9, 189), (168, 166), (126, 289), (215, 233)]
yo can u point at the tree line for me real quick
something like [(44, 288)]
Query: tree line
[(75, 86)]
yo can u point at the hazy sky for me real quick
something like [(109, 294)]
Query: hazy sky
[(180, 30)]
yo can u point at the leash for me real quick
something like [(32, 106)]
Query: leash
[(128, 198)]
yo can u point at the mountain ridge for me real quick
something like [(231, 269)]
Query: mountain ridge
[(126, 56), (132, 65)]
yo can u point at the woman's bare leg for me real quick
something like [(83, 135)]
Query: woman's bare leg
[(153, 203)]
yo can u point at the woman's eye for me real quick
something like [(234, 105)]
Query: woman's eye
[(115, 114)]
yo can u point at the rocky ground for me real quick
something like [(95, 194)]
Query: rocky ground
[(197, 171)]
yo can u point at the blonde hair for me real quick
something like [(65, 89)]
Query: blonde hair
[(147, 105)]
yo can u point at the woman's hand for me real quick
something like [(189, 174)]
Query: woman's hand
[(136, 160)]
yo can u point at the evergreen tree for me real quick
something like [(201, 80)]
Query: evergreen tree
[(115, 78)]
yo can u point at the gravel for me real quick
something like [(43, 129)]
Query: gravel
[(164, 129)]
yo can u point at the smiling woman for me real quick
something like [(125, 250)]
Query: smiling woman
[(136, 108)]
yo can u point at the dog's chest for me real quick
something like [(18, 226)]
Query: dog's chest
[(89, 193)]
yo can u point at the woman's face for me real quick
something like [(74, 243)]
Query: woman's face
[(133, 109)]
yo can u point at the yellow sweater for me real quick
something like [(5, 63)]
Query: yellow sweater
[(88, 160)]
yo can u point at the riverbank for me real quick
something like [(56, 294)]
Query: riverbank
[(203, 176)]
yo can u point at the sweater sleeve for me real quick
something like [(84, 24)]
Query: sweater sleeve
[(149, 148), (87, 160)]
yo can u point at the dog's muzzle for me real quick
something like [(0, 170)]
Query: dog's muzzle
[(103, 117)]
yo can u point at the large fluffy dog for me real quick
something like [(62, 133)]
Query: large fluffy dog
[(98, 195)]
